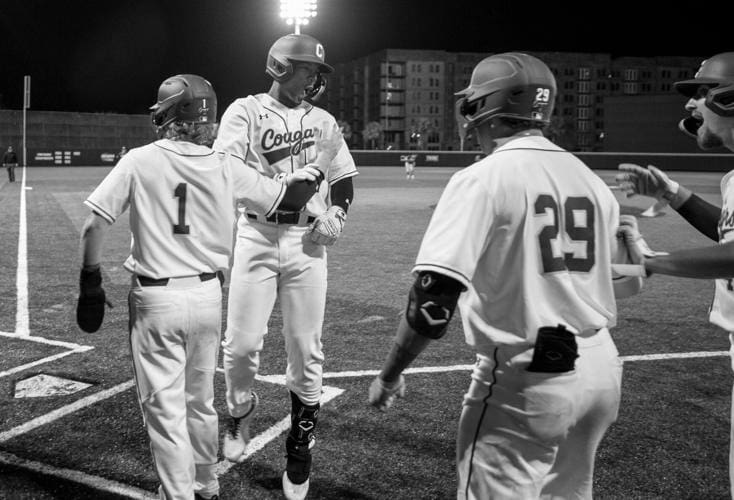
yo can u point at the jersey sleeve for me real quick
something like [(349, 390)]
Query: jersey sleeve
[(112, 196), (342, 166), (259, 193), (233, 132), (457, 233)]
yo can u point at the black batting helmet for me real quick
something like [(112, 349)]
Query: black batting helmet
[(294, 47), (716, 73), (185, 98), (510, 85)]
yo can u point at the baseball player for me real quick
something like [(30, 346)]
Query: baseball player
[(283, 256), (182, 198), (711, 105), (523, 241), (410, 166)]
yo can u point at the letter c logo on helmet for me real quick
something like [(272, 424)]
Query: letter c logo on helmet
[(716, 73), (294, 48)]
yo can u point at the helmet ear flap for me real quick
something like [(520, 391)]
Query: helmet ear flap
[(279, 70), (720, 100)]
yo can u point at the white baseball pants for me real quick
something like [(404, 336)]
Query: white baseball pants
[(275, 261), (174, 338), (534, 435)]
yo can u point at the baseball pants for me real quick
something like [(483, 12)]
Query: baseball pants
[(175, 337), (275, 261), (731, 420), (534, 435)]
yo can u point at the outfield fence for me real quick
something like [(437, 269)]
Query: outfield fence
[(52, 157)]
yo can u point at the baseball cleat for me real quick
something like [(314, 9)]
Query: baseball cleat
[(294, 491), (238, 433), (298, 468)]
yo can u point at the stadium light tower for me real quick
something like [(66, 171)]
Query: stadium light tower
[(297, 12)]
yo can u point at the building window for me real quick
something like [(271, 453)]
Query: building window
[(584, 87), (583, 125), (584, 100), (630, 88), (631, 75), (582, 113), (584, 73)]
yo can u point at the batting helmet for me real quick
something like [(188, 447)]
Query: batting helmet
[(291, 48), (716, 73), (185, 98), (511, 85)]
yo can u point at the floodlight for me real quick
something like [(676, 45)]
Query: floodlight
[(297, 12)]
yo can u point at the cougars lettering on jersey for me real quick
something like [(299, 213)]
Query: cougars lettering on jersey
[(276, 139), (722, 308), (529, 231), (182, 200)]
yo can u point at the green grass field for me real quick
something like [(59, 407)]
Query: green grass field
[(670, 442)]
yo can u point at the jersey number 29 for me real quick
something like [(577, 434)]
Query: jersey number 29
[(585, 233)]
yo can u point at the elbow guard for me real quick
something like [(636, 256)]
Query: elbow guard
[(431, 303)]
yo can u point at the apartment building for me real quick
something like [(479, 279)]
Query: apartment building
[(404, 99)]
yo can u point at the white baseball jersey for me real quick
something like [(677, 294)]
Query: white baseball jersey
[(182, 200), (529, 231), (722, 308), (281, 140)]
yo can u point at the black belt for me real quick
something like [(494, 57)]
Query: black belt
[(145, 281), (284, 218)]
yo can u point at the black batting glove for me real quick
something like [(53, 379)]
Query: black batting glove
[(90, 306)]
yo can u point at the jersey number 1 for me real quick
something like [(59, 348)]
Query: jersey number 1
[(585, 233), (180, 193)]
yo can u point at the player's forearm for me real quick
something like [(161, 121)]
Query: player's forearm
[(699, 213), (342, 193), (297, 195), (704, 263), (408, 345), (92, 236)]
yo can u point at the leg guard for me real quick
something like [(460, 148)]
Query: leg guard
[(300, 439)]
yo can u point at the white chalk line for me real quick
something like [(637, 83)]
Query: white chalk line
[(21, 282), (42, 361), (65, 410), (95, 482), (258, 442)]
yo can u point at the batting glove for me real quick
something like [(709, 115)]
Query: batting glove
[(382, 394), (650, 181), (328, 226), (91, 302)]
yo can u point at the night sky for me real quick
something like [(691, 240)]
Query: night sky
[(110, 56)]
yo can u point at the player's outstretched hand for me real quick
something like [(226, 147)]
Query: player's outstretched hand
[(382, 394), (328, 144), (92, 300), (651, 181), (327, 227)]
